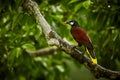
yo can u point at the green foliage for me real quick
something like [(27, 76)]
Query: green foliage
[(20, 32)]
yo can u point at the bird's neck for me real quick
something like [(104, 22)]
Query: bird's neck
[(75, 26)]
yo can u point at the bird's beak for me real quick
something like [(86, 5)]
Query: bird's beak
[(65, 22)]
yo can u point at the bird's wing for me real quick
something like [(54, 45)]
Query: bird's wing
[(80, 35)]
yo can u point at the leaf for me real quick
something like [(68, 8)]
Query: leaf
[(86, 4), (18, 52), (60, 68), (38, 59), (73, 1), (14, 54), (28, 46), (77, 7)]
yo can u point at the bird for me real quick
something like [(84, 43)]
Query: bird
[(82, 38)]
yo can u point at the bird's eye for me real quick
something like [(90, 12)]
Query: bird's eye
[(71, 23)]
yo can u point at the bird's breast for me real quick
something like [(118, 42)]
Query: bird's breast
[(80, 35)]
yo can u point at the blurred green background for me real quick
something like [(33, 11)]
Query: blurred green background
[(19, 32)]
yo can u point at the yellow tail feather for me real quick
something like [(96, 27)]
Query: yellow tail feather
[(93, 60)]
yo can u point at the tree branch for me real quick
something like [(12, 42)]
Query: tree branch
[(44, 51), (54, 39)]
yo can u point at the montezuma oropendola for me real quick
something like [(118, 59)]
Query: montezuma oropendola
[(82, 38)]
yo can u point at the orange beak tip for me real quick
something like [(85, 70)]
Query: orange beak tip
[(64, 22)]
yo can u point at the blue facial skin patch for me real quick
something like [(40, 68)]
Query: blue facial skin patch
[(71, 23)]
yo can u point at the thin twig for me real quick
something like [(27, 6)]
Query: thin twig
[(43, 51)]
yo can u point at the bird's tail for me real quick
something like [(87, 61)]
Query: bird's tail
[(92, 56)]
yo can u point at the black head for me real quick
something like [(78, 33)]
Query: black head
[(73, 23)]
